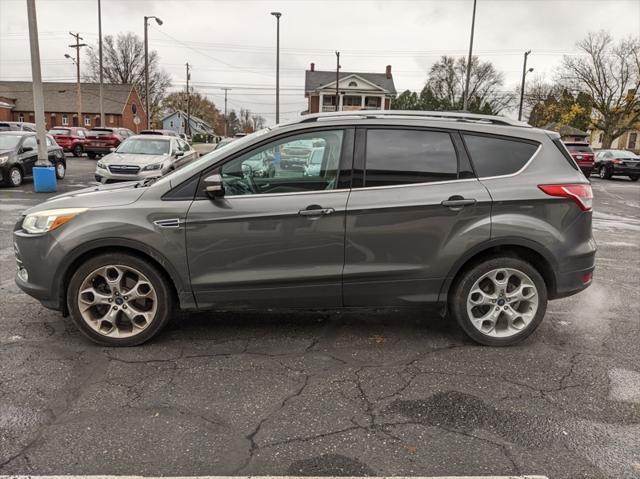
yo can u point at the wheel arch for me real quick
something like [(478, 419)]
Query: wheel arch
[(176, 283), (534, 253)]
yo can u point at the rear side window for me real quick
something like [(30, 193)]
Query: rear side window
[(493, 156), (400, 157)]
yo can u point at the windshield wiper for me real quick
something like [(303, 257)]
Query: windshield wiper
[(146, 182)]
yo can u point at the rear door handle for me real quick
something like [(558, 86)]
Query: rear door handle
[(316, 211), (458, 202)]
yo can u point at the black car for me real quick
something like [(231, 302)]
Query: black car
[(617, 162), (19, 153)]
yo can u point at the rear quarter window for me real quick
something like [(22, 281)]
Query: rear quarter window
[(493, 156)]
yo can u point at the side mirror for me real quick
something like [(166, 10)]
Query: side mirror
[(213, 186), (26, 149), (178, 154)]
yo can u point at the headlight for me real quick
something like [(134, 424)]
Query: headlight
[(49, 220), (3, 159), (155, 166), (101, 165)]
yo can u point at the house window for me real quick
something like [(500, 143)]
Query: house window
[(21, 117), (65, 120), (351, 100), (87, 120), (373, 102), (110, 118), (329, 100), (633, 138), (353, 84), (171, 124), (600, 137)]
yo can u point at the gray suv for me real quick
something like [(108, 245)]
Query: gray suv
[(486, 217)]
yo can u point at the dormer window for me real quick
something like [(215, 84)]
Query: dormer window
[(353, 84)]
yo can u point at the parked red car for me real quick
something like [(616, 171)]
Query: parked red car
[(100, 140), (583, 156), (70, 138)]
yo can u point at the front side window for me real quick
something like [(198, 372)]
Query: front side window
[(307, 162), (492, 156), (400, 157), (30, 142)]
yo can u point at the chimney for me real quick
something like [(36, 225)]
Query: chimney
[(388, 72), (313, 67)]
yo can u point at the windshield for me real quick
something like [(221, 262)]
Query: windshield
[(145, 147), (212, 156), (9, 142), (624, 154), (59, 131)]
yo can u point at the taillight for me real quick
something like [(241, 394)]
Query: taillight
[(617, 162), (580, 193)]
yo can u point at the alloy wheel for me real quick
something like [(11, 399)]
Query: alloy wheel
[(117, 301), (15, 177), (502, 302), (60, 170)]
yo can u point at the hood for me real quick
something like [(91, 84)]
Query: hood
[(132, 159), (10, 151), (98, 196)]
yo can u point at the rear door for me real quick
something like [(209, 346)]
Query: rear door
[(414, 210)]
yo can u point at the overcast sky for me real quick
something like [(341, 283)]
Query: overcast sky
[(232, 42)]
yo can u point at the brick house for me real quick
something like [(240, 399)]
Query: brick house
[(61, 109), (357, 91)]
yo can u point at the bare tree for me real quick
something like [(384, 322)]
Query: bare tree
[(201, 106), (123, 62), (258, 122), (609, 74), (447, 78)]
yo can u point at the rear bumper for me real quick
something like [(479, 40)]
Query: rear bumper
[(626, 170), (568, 284), (98, 149)]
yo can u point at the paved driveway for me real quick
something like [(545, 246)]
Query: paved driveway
[(366, 392)]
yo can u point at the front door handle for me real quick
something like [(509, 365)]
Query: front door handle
[(315, 210), (458, 201)]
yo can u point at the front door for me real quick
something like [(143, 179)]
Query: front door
[(276, 238), (28, 154), (418, 209)]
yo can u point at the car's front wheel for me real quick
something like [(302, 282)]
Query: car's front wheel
[(634, 177), (14, 177), (91, 155), (61, 170), (605, 172), (500, 301), (77, 151), (117, 299)]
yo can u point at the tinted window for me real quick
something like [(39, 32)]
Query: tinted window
[(399, 157), (30, 142), (307, 162), (578, 148), (498, 156)]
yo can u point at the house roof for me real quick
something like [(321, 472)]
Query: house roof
[(316, 79), (61, 96), (565, 130), (192, 117)]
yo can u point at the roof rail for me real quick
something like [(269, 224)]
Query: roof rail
[(431, 115)]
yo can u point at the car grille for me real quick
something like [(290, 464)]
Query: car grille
[(124, 169)]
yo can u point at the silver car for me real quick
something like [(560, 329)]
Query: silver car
[(144, 156)]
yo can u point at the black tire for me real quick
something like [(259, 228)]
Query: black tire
[(634, 177), (61, 170), (462, 287), (14, 177), (587, 173), (77, 151), (91, 155), (155, 277), (605, 172)]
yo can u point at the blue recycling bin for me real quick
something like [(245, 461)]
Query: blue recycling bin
[(44, 179)]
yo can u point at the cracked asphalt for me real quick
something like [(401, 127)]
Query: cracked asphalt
[(366, 392)]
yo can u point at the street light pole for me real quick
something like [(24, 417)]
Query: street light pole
[(465, 94), (100, 61), (524, 74), (146, 65), (337, 80), (277, 15)]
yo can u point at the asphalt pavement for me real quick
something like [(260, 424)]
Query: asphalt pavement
[(344, 393)]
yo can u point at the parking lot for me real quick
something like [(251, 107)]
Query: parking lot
[(366, 392)]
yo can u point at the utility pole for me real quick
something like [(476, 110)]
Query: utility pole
[(146, 66), (36, 74), (337, 79), (102, 123), (188, 128), (524, 74), (465, 94), (77, 47), (277, 15), (226, 118)]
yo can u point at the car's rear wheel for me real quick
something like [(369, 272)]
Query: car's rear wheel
[(587, 172), (634, 177), (77, 151), (500, 301), (91, 155), (117, 299), (14, 177), (61, 170), (605, 172)]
